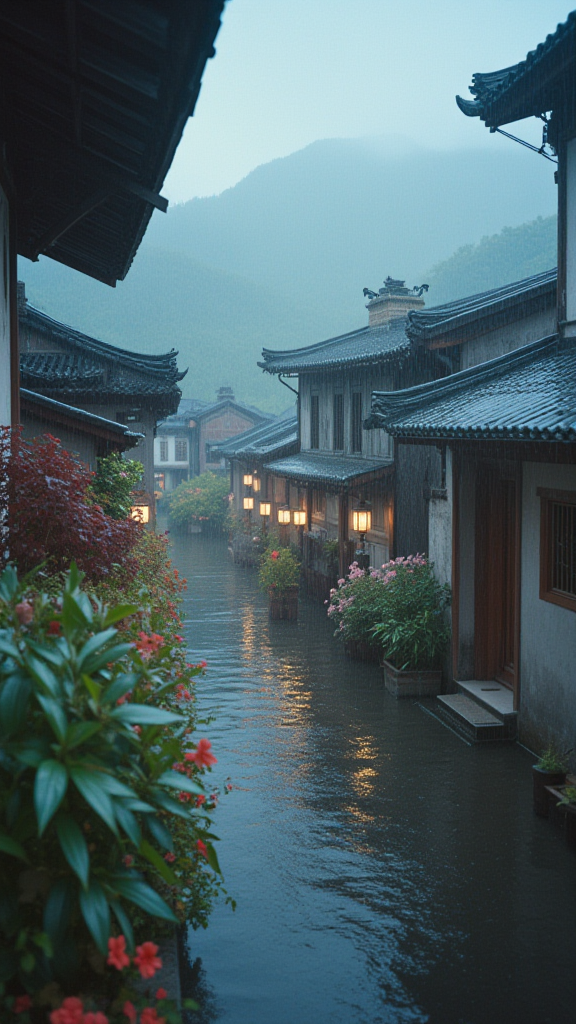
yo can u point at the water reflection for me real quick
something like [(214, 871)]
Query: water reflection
[(385, 872)]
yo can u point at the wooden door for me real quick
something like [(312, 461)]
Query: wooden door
[(496, 576)]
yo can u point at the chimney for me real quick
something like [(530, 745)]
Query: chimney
[(21, 295), (393, 300), (225, 394)]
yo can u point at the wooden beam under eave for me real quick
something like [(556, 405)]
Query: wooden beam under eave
[(66, 223)]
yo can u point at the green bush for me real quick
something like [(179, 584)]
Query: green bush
[(201, 500), (413, 631), (96, 773), (279, 570), (113, 483)]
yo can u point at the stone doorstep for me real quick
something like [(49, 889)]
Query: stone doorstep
[(491, 695), (470, 719)]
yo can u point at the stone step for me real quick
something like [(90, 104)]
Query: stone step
[(470, 720)]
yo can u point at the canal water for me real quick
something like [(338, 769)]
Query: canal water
[(384, 871)]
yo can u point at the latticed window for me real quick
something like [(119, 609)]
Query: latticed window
[(181, 449), (558, 547), (164, 450)]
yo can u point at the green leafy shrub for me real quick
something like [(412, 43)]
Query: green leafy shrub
[(413, 631), (113, 483), (96, 775), (201, 500), (553, 760), (355, 605), (279, 570)]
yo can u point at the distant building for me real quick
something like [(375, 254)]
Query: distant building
[(130, 389), (183, 445)]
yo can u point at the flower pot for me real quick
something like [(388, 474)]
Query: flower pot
[(540, 780), (412, 682), (361, 651), (283, 604)]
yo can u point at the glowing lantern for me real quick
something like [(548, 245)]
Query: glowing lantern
[(361, 518), (248, 504), (247, 479), (299, 518), (284, 515), (265, 508)]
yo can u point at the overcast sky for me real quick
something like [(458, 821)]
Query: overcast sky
[(288, 72)]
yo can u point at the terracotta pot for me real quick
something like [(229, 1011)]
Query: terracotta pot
[(540, 780), (362, 651), (412, 682), (284, 604)]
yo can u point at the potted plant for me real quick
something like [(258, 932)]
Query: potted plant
[(355, 607), (549, 770), (279, 575), (413, 631), (568, 805)]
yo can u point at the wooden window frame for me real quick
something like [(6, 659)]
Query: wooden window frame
[(163, 450), (338, 421), (181, 442), (356, 422), (315, 422), (549, 498)]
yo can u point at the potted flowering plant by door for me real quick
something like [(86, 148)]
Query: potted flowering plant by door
[(279, 575), (413, 630), (549, 770)]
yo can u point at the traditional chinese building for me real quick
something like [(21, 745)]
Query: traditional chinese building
[(503, 525)]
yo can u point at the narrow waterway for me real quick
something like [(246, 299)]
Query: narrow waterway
[(385, 872)]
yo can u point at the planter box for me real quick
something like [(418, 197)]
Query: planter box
[(540, 781), (412, 683), (361, 651), (284, 606), (563, 816)]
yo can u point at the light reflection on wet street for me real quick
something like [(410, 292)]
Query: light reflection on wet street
[(385, 872)]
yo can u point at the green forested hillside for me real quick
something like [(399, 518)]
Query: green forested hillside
[(512, 254), (281, 259)]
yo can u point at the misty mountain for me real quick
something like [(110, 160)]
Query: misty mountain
[(512, 254), (280, 260)]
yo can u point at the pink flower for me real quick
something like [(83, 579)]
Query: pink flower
[(146, 960), (202, 756), (169, 857), (202, 848), (21, 1004), (24, 613), (137, 729), (150, 1016), (203, 664), (161, 994), (117, 956), (71, 1012), (129, 1010), (228, 787)]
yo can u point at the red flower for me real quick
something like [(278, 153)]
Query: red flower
[(54, 628), (161, 994), (150, 1016), (170, 857), (274, 555), (200, 800), (149, 645), (117, 956), (95, 1018), (203, 664), (24, 613), (21, 1004), (202, 848), (71, 1012), (128, 860), (146, 960), (129, 1010), (202, 756)]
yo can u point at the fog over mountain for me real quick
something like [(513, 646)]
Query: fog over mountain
[(281, 259)]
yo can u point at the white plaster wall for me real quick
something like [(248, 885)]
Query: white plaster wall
[(547, 711), (571, 236), (467, 521), (509, 337), (5, 404), (440, 529)]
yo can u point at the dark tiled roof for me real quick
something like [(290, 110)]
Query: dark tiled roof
[(49, 405), (508, 303), (528, 394), (99, 92), (366, 346), (530, 87), (261, 441), (331, 470)]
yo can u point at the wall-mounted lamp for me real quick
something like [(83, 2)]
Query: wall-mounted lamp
[(141, 513), (361, 518), (265, 508), (248, 504), (284, 515), (247, 479), (299, 517)]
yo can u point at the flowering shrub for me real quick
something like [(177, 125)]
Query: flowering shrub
[(113, 483), (97, 770), (413, 630), (399, 607), (45, 503), (279, 570), (203, 499)]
